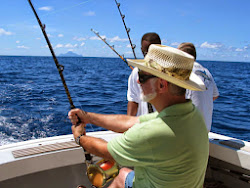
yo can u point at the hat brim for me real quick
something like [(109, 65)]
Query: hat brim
[(194, 82)]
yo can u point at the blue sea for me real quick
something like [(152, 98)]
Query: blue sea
[(33, 102)]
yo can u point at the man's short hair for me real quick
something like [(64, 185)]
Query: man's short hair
[(176, 90), (189, 48), (153, 38)]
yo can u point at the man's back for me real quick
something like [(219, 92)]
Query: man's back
[(169, 149), (204, 100)]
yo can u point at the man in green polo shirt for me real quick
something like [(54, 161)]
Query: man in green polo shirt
[(167, 148)]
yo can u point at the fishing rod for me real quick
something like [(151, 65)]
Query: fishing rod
[(127, 29), (150, 108), (112, 47), (60, 69)]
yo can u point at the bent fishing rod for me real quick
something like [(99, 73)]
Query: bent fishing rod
[(127, 29), (112, 47), (60, 68)]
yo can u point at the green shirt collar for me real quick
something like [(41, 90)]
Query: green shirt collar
[(177, 109)]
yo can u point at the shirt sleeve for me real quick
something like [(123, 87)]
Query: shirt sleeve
[(133, 93), (131, 148), (148, 117)]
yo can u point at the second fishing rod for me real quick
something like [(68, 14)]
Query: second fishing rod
[(127, 29), (111, 47)]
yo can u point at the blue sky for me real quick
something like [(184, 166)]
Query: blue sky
[(219, 29)]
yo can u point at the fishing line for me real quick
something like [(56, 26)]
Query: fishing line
[(60, 10), (81, 107), (67, 8), (44, 15)]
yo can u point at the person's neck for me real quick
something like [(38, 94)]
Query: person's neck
[(163, 102)]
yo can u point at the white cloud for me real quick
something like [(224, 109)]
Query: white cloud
[(38, 38), (60, 35), (128, 46), (59, 46), (3, 32), (247, 47), (70, 45), (48, 8), (97, 38), (213, 45), (164, 41), (79, 38), (116, 38), (23, 47), (66, 46), (82, 44), (17, 41), (89, 13), (239, 50), (175, 44)]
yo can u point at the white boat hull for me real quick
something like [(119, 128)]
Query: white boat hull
[(59, 162)]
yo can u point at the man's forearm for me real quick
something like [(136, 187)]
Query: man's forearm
[(116, 123), (214, 98), (96, 146)]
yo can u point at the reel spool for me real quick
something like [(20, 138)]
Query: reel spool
[(102, 172)]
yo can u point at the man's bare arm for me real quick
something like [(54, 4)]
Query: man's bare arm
[(116, 123), (214, 98), (96, 146), (132, 108)]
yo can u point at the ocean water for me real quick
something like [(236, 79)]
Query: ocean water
[(33, 102)]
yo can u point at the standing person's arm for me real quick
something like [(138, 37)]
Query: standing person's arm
[(132, 108), (214, 98), (215, 90), (116, 123), (133, 93)]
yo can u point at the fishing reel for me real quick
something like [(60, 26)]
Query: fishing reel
[(101, 172)]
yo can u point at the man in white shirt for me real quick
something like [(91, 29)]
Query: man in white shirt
[(136, 106), (203, 100)]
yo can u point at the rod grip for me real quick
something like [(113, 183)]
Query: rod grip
[(79, 121)]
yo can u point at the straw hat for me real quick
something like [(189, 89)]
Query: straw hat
[(170, 64)]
